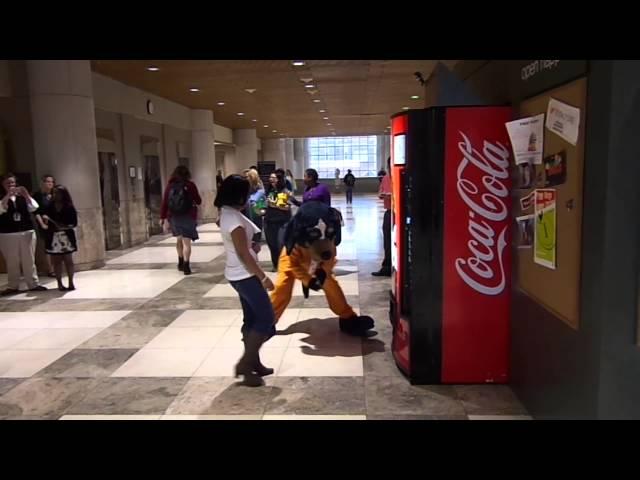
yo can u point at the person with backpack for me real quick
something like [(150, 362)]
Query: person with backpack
[(349, 180), (179, 213)]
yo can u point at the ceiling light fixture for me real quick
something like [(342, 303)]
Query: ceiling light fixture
[(306, 79), (309, 85), (153, 69), (254, 120), (325, 118), (193, 89), (415, 97), (322, 111), (316, 100), (298, 63), (250, 90), (220, 104), (265, 126), (240, 114), (274, 131), (405, 108), (329, 124)]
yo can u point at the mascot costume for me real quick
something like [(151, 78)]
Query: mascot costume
[(309, 255)]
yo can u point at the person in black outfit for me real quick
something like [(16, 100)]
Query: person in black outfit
[(349, 181), (18, 235), (43, 197), (277, 215), (60, 220)]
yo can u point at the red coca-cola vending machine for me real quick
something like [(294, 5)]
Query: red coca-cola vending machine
[(451, 260)]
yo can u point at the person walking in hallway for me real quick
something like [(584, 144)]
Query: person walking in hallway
[(60, 219), (278, 213), (349, 181), (18, 236), (314, 190), (43, 197), (246, 277), (385, 193), (337, 181), (179, 213)]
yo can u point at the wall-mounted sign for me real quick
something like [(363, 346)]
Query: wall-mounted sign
[(563, 120), (132, 172), (544, 252), (526, 135), (531, 77)]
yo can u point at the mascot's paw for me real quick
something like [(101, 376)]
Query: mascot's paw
[(357, 325)]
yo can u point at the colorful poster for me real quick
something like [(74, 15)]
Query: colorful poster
[(525, 231), (527, 202), (545, 228), (555, 168), (563, 120), (526, 136), (526, 173)]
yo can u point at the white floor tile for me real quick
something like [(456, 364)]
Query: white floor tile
[(73, 319), (163, 363), (122, 283), (57, 338), (211, 417), (342, 361), (208, 318), (205, 237), (11, 336), (221, 361), (187, 337), (110, 417), (314, 417), (25, 363), (167, 254), (208, 227)]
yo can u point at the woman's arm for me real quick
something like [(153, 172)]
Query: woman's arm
[(239, 239)]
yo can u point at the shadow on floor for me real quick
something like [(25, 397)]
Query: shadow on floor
[(325, 339)]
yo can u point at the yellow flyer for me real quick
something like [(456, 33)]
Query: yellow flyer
[(545, 230)]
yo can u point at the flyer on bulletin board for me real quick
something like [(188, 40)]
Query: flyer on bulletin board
[(563, 120), (545, 228), (526, 135)]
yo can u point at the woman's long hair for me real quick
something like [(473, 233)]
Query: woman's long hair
[(254, 180), (65, 196), (181, 174)]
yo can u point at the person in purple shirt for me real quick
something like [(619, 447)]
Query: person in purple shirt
[(314, 190)]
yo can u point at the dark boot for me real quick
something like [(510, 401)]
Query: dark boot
[(187, 268), (246, 366), (259, 368), (181, 264)]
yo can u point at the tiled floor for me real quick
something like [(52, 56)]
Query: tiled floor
[(139, 341)]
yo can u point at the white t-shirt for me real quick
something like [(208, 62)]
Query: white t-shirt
[(230, 219)]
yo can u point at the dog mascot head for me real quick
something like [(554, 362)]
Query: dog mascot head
[(315, 226)]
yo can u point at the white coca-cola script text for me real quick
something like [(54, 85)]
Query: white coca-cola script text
[(479, 269)]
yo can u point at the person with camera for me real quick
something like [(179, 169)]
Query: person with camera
[(18, 235)]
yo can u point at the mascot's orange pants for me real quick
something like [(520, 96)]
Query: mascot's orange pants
[(296, 266)]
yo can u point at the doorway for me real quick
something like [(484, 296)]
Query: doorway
[(152, 193), (110, 199)]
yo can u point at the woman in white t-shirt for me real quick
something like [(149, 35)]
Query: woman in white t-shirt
[(245, 275)]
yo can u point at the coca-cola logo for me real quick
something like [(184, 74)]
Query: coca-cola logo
[(483, 269)]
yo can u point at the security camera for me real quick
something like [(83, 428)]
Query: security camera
[(420, 78)]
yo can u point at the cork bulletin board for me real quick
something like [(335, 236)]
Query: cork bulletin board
[(557, 290)]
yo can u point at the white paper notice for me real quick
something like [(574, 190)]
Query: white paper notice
[(526, 136), (563, 120)]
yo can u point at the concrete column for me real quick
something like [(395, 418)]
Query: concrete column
[(274, 151), (289, 157), (299, 157), (246, 140), (64, 140), (203, 162)]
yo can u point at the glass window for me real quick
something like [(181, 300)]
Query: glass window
[(355, 153)]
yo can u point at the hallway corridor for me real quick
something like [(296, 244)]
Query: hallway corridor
[(138, 340)]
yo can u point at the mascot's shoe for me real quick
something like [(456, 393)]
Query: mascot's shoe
[(357, 325)]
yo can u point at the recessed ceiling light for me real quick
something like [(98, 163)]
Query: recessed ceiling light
[(153, 69), (298, 63), (274, 131), (265, 126), (325, 118), (309, 85), (220, 104), (415, 97), (254, 120), (306, 79), (250, 90), (240, 114), (329, 124), (193, 89), (316, 100), (405, 108), (322, 111)]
